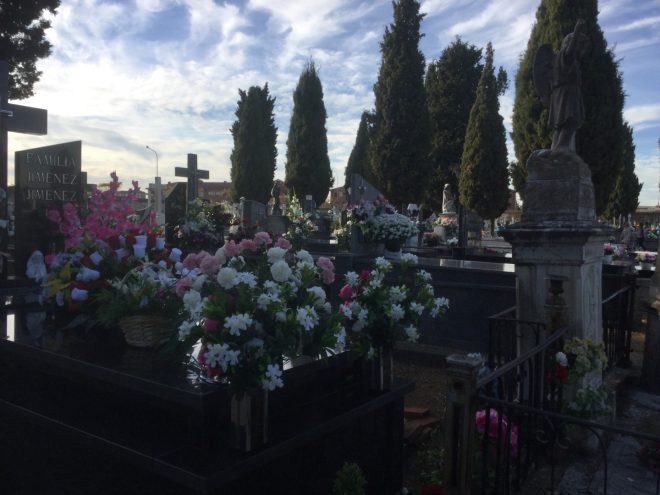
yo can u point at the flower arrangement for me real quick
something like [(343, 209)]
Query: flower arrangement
[(376, 314), (589, 402), (608, 249), (644, 257), (449, 223), (300, 224), (253, 303), (584, 356), (497, 428), (147, 289), (343, 235), (199, 229), (101, 243), (392, 229)]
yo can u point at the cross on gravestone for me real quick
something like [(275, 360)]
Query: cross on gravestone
[(193, 175), (14, 118)]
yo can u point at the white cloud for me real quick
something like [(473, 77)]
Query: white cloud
[(642, 114)]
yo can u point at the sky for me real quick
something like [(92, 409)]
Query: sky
[(128, 74)]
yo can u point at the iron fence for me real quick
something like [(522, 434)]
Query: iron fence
[(618, 310), (504, 333)]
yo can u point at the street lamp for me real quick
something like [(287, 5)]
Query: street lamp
[(156, 158)]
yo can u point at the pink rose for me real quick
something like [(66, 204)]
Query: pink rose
[(283, 243), (209, 264), (182, 285), (247, 245), (325, 263), (231, 249), (328, 276), (262, 238), (346, 293), (191, 261)]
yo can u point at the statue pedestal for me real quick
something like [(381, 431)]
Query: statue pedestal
[(559, 238)]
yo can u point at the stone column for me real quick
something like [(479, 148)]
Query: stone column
[(559, 238), (459, 440)]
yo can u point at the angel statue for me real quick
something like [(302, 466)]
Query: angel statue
[(448, 202), (557, 82)]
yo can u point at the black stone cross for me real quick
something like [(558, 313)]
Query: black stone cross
[(193, 175), (14, 118)]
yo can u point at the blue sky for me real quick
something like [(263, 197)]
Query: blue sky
[(166, 73)]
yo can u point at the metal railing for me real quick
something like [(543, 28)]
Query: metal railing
[(504, 332), (618, 309)]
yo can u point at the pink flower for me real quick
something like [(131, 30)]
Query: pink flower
[(328, 276), (182, 285), (346, 293), (191, 261), (247, 245), (325, 263), (283, 243), (262, 238), (231, 249), (49, 258), (365, 274), (54, 216), (209, 264), (493, 425)]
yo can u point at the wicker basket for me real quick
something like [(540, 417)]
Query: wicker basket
[(144, 330)]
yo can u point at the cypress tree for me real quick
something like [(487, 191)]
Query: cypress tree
[(358, 161), (625, 197), (451, 87), (307, 163), (484, 180), (23, 42), (600, 140), (399, 161), (254, 154)]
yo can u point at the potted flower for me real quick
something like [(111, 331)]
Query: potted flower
[(608, 252), (300, 224), (376, 314), (199, 229), (392, 229), (248, 307), (645, 260)]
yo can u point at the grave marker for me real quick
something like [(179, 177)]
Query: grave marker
[(193, 174), (175, 209), (252, 212), (45, 177), (13, 118)]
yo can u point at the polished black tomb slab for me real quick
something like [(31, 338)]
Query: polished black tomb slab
[(127, 407)]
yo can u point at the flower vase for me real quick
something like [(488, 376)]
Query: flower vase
[(249, 419), (392, 250), (645, 265), (381, 370), (607, 258)]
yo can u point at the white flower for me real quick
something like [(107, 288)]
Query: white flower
[(411, 332), (319, 295), (280, 316), (415, 307), (199, 282), (352, 279), (221, 256), (79, 294), (347, 311), (273, 378), (382, 263), (237, 262), (272, 287), (280, 271), (424, 275), (397, 312), (87, 275), (397, 294), (265, 299), (236, 323), (409, 258), (191, 299), (561, 359), (185, 328), (307, 317), (175, 254), (303, 255), (440, 304), (227, 277), (221, 355), (246, 278), (275, 254), (341, 340)]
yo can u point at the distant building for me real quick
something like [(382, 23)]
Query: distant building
[(647, 214), (336, 199)]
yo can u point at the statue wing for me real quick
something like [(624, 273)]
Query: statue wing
[(543, 72)]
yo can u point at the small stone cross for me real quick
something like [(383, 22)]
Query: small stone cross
[(193, 175)]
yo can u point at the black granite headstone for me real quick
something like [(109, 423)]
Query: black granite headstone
[(175, 209), (45, 177), (252, 212)]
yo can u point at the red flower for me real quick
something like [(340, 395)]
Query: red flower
[(346, 293)]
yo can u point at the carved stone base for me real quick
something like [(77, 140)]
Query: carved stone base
[(559, 190)]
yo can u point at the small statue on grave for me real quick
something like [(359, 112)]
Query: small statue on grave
[(275, 193), (448, 202), (557, 82)]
